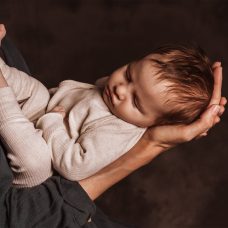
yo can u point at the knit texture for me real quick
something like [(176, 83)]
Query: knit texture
[(88, 139)]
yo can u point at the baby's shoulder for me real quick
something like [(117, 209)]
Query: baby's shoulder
[(75, 84)]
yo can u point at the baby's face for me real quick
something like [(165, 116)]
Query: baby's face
[(133, 94)]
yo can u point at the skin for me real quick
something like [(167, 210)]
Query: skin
[(155, 141), (133, 94)]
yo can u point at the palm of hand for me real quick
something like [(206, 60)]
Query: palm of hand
[(170, 135)]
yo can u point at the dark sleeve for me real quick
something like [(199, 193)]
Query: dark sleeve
[(12, 56), (55, 203)]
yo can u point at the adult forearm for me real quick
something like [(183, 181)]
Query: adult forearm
[(141, 154)]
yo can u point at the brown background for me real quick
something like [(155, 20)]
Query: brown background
[(84, 40)]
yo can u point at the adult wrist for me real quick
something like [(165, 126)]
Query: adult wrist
[(150, 140)]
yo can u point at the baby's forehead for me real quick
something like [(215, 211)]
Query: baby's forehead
[(146, 66), (145, 63), (153, 56), (149, 77)]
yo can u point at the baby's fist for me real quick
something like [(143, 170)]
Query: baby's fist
[(59, 109)]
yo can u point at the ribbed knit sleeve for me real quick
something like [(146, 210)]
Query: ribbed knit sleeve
[(95, 148), (32, 95), (30, 162), (67, 155)]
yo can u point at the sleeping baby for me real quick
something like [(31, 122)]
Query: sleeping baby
[(79, 128)]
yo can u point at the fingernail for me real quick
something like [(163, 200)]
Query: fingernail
[(215, 109)]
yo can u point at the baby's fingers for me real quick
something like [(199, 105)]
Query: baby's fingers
[(59, 109)]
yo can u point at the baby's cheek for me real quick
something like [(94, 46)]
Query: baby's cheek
[(132, 117)]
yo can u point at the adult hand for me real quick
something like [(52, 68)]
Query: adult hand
[(171, 135), (155, 141)]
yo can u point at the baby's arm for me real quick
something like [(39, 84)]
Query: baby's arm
[(27, 151), (32, 95), (76, 159)]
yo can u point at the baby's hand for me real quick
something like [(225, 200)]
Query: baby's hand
[(59, 109)]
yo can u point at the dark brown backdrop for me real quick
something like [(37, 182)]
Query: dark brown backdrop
[(84, 40)]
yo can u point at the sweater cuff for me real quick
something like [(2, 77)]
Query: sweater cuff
[(9, 107)]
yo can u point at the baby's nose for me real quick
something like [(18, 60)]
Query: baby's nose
[(121, 92)]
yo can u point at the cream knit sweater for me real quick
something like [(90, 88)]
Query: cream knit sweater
[(88, 139)]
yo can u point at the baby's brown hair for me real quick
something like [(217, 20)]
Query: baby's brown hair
[(190, 72)]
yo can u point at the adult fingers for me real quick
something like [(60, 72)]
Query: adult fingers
[(216, 120), (221, 110), (216, 95), (201, 135), (216, 64), (202, 125), (223, 101)]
